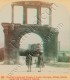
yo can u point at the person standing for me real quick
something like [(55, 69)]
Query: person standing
[(29, 62), (40, 62)]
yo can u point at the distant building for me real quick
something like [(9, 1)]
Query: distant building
[(35, 47)]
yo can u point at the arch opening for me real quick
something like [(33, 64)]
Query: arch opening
[(30, 42)]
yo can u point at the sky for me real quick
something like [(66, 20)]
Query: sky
[(30, 38), (60, 20)]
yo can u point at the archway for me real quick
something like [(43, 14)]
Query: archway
[(30, 38), (30, 42), (12, 40)]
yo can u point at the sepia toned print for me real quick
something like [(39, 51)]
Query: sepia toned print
[(35, 38)]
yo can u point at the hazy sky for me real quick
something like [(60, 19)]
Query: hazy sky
[(60, 20)]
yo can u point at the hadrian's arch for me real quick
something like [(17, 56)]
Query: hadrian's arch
[(14, 32)]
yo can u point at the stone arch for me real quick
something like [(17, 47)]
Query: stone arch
[(13, 32), (49, 36), (32, 35), (29, 42)]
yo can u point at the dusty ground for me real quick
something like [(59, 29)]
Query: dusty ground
[(22, 69)]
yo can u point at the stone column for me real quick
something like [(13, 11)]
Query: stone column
[(50, 16), (12, 14), (8, 48), (6, 52), (25, 15), (39, 15)]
